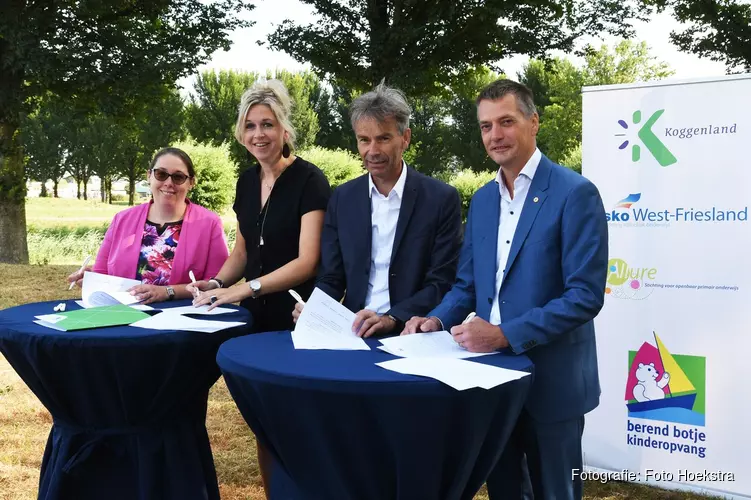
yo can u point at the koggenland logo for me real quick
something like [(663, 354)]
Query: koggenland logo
[(654, 145), (647, 135), (632, 211)]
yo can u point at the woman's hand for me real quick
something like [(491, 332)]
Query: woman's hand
[(77, 277), (221, 296), (146, 294), (200, 286)]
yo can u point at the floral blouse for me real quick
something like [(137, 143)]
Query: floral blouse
[(157, 252)]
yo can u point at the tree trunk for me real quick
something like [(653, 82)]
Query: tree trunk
[(132, 188), (103, 190), (85, 187), (109, 190), (78, 188), (55, 182), (43, 192), (13, 247)]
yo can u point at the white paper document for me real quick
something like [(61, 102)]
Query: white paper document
[(204, 310), (104, 290), (164, 321), (457, 373), (428, 345), (326, 324), (139, 307)]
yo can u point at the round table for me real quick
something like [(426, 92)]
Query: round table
[(339, 427), (128, 405)]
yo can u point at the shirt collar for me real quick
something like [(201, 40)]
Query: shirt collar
[(528, 171), (398, 187)]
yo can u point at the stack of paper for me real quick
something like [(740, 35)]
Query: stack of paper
[(457, 373), (202, 310), (326, 324), (104, 290), (428, 345), (95, 317), (169, 321)]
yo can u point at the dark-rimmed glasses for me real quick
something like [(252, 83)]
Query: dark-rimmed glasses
[(162, 175)]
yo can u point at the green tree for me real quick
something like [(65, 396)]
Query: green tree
[(42, 135), (465, 142), (422, 47), (97, 54), (717, 29), (561, 122)]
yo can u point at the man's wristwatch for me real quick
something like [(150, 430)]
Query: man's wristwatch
[(219, 282), (398, 325), (170, 293), (255, 288)]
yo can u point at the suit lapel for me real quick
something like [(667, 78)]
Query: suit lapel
[(363, 221), (488, 245), (409, 199), (535, 198)]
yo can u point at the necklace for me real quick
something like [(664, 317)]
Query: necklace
[(268, 202)]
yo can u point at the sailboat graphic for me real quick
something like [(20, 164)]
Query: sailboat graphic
[(645, 393)]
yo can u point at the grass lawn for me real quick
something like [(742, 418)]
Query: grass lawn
[(25, 423)]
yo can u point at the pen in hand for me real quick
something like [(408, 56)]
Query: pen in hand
[(297, 297), (83, 266), (469, 318), (196, 291)]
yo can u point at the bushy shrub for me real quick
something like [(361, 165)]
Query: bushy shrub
[(215, 175), (467, 183), (573, 159), (338, 166)]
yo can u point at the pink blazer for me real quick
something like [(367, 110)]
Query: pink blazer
[(202, 247)]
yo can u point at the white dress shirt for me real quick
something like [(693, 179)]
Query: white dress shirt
[(384, 214), (511, 210)]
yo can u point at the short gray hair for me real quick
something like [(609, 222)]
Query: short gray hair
[(380, 104), (501, 88), (273, 94)]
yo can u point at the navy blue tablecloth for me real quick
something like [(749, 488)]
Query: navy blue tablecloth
[(128, 405), (340, 427)]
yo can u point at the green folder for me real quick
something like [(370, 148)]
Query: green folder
[(93, 317)]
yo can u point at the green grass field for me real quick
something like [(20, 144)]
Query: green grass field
[(25, 423)]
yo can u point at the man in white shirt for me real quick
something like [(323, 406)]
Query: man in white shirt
[(391, 238), (533, 268)]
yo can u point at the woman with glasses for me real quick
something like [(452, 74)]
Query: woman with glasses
[(160, 242), (280, 204)]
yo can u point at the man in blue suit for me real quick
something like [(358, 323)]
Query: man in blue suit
[(391, 238), (533, 267)]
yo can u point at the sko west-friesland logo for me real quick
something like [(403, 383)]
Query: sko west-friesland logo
[(632, 211), (648, 138)]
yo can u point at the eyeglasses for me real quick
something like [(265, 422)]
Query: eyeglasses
[(162, 175)]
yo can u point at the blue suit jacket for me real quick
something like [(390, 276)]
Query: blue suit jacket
[(425, 251), (554, 285)]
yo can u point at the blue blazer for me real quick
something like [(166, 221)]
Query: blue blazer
[(425, 251), (554, 285)]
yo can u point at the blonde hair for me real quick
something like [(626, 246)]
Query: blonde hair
[(273, 94)]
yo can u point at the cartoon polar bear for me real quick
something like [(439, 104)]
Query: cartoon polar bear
[(648, 388)]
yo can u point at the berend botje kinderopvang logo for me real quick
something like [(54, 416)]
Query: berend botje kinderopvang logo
[(648, 137), (631, 211), (630, 282), (666, 387)]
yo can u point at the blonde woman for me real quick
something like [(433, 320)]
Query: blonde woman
[(280, 204)]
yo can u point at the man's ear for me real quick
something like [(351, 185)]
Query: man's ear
[(406, 137)]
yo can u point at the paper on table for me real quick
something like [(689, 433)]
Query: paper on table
[(326, 324), (457, 373), (164, 321), (204, 309), (138, 307), (430, 345), (104, 290)]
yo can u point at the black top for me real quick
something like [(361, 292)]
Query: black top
[(301, 188)]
